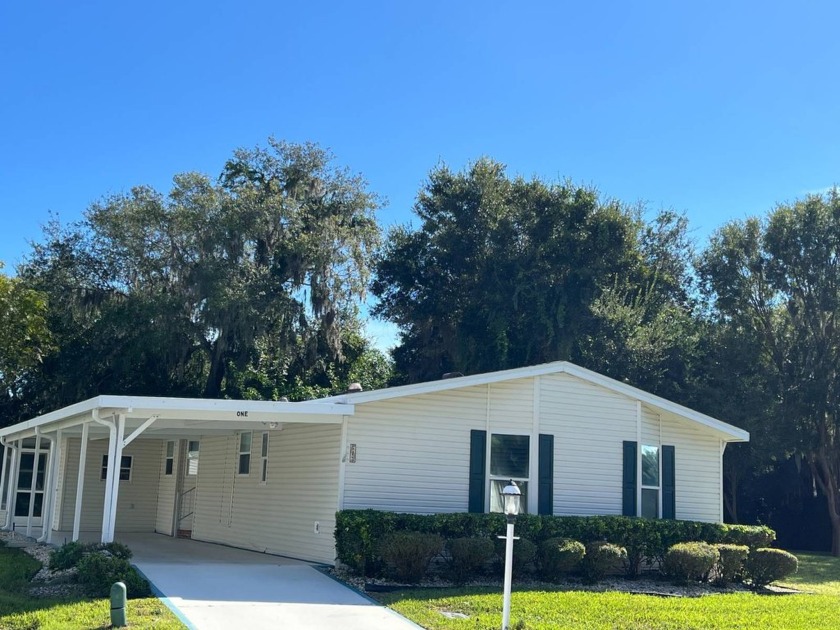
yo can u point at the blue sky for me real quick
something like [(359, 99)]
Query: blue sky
[(718, 109)]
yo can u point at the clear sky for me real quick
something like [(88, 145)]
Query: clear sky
[(718, 109)]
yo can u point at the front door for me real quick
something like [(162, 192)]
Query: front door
[(24, 495)]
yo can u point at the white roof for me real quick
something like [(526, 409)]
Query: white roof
[(730, 433), (180, 416)]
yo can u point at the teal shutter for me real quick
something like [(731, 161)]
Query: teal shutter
[(628, 490), (545, 492), (669, 478), (478, 467)]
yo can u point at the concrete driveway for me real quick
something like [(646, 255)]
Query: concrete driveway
[(212, 586)]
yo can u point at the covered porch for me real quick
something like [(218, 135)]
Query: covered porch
[(80, 469)]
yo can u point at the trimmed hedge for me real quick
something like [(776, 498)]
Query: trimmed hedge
[(559, 557), (691, 561), (468, 556), (358, 533), (768, 565), (731, 563), (601, 558), (407, 554)]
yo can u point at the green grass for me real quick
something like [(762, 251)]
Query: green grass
[(19, 611), (578, 610)]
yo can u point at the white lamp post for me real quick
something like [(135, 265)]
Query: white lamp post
[(512, 496)]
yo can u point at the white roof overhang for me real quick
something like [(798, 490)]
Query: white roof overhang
[(177, 417), (725, 431)]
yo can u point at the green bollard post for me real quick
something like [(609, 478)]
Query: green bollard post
[(118, 597)]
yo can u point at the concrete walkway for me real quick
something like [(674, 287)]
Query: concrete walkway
[(215, 587)]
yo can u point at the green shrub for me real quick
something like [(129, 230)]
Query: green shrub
[(524, 555), (358, 533), (67, 556), (407, 554), (764, 566), (98, 572), (468, 557), (753, 536), (601, 558), (560, 556), (731, 562), (691, 561)]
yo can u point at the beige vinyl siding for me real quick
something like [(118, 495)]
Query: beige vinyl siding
[(698, 473), (279, 516), (590, 424), (512, 406), (137, 501), (650, 427), (166, 491), (413, 453)]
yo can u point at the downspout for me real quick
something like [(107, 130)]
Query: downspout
[(109, 475)]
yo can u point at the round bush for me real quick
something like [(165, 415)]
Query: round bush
[(407, 554), (467, 557), (560, 556), (98, 571), (731, 562), (601, 558), (691, 561), (768, 565)]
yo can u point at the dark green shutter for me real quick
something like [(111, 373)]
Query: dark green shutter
[(545, 496), (628, 490), (669, 497), (478, 467)]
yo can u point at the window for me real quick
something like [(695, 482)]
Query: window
[(264, 458), (125, 468), (509, 460), (170, 458), (192, 458), (245, 453), (650, 481)]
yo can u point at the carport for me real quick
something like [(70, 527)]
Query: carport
[(118, 421), (212, 586)]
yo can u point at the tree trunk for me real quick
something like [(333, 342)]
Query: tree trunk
[(822, 471), (213, 385)]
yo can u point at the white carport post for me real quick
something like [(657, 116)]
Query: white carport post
[(80, 481), (7, 453), (109, 474), (49, 487), (12, 487), (113, 483), (35, 462)]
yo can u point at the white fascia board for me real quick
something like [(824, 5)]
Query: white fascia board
[(731, 433), (184, 410)]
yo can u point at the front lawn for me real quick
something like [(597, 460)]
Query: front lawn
[(19, 611), (553, 609)]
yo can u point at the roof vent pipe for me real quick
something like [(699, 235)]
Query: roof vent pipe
[(354, 388), (452, 375)]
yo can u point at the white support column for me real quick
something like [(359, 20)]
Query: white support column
[(110, 472), (11, 486), (80, 481), (54, 485), (49, 486), (7, 454), (35, 462), (115, 491)]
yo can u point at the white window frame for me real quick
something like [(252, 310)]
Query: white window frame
[(104, 470), (643, 487), (523, 509), (242, 453), (169, 459), (264, 458)]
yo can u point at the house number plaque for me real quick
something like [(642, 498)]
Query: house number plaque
[(352, 453)]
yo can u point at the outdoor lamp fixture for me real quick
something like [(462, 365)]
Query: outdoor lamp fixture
[(512, 497)]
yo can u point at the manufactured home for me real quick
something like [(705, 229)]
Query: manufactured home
[(270, 476)]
